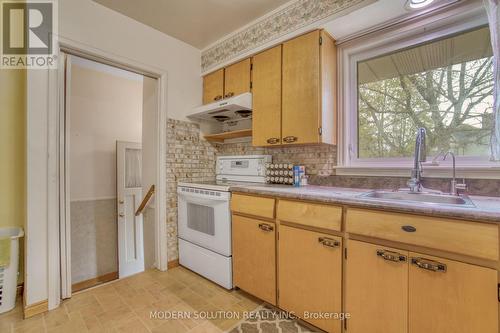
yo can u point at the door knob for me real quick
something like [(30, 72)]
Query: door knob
[(121, 202), (121, 215)]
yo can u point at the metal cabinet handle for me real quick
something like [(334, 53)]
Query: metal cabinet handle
[(429, 265), (290, 139), (328, 242), (409, 228), (273, 141), (266, 227), (230, 94), (218, 98), (391, 256)]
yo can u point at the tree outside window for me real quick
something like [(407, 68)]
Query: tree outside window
[(445, 86)]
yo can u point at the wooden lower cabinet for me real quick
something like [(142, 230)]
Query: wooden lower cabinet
[(395, 291), (376, 289), (310, 275), (447, 296), (254, 257)]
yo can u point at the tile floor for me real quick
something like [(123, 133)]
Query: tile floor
[(125, 306)]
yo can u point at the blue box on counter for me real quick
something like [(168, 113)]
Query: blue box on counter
[(298, 172)]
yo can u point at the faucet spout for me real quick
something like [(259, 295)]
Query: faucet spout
[(454, 186), (415, 183)]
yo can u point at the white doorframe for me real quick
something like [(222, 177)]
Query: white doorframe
[(58, 221)]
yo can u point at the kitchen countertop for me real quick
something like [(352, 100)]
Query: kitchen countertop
[(487, 208)]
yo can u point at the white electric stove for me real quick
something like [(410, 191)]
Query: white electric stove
[(204, 216)]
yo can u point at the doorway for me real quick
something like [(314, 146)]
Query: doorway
[(109, 162)]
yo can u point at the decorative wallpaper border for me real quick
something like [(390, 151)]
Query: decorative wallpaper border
[(293, 17)]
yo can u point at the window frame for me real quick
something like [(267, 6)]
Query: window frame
[(408, 33)]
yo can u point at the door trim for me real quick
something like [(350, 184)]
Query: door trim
[(58, 221)]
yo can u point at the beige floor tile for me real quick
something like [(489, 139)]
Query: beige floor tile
[(170, 326), (74, 325), (192, 299), (144, 316), (113, 317), (80, 301), (132, 325), (92, 323), (206, 327), (223, 300), (32, 325), (110, 301)]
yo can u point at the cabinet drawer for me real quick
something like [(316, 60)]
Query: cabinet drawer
[(469, 238), (257, 206), (314, 215)]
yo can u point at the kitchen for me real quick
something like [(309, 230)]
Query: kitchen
[(334, 167)]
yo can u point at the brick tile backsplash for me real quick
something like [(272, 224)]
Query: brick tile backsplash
[(191, 158)]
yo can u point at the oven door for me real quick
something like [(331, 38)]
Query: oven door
[(204, 219)]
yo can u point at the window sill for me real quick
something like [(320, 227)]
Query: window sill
[(470, 172)]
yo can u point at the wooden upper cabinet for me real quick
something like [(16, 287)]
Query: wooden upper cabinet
[(301, 89), (213, 86), (237, 78), (447, 296), (308, 111), (377, 289), (266, 91), (310, 275)]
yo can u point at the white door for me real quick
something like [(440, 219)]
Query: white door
[(130, 227)]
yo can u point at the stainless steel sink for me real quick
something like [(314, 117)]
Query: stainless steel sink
[(420, 197)]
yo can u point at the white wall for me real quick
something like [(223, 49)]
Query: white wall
[(87, 23), (105, 107)]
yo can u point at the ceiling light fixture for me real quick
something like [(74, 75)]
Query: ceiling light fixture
[(418, 4)]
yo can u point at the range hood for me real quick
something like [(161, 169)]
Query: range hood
[(233, 108)]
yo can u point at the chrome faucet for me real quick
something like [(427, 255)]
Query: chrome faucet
[(454, 186), (415, 183)]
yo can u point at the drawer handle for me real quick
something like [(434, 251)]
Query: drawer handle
[(409, 228), (266, 227), (429, 265), (290, 139), (328, 242), (230, 94), (273, 141), (391, 256), (218, 98)]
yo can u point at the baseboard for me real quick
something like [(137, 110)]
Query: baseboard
[(173, 263), (94, 281), (36, 308)]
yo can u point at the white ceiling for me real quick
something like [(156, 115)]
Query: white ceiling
[(196, 22)]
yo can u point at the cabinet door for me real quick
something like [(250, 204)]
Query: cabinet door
[(447, 296), (301, 89), (213, 86), (310, 275), (266, 91), (254, 257), (376, 289), (237, 78)]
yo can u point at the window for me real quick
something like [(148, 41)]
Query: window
[(431, 73), (445, 86)]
